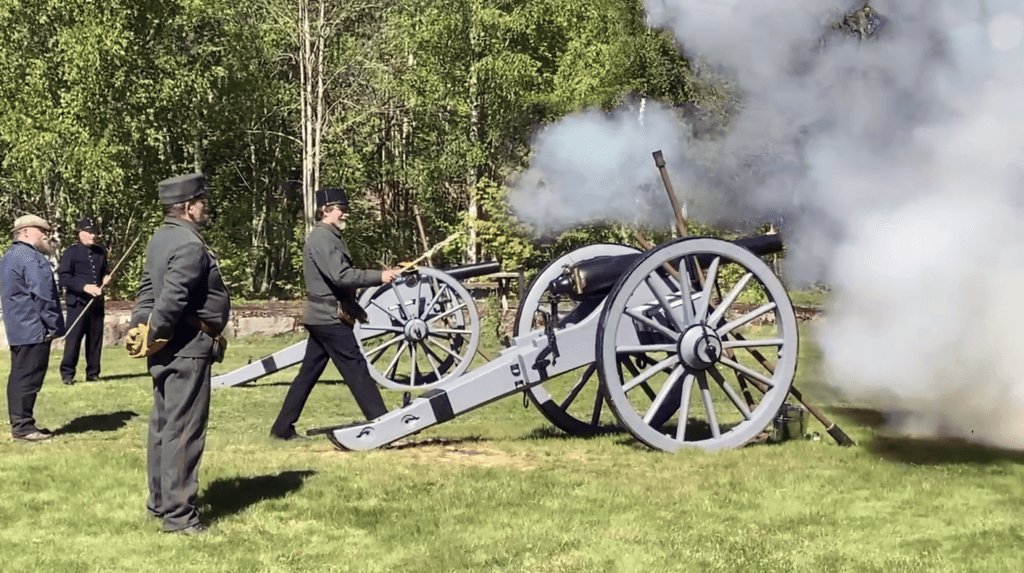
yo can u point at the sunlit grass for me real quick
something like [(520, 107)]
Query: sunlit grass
[(497, 489)]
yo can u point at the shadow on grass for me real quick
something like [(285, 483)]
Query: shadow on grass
[(96, 423), (264, 384), (867, 417), (142, 374), (228, 496), (553, 433), (939, 451), (412, 443)]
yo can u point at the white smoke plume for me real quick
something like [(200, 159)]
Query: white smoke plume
[(897, 168)]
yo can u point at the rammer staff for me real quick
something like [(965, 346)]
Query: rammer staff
[(112, 273)]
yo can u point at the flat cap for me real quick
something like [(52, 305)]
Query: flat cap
[(26, 221), (331, 196), (87, 224), (182, 188)]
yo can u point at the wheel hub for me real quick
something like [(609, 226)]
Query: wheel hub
[(699, 347), (416, 330)]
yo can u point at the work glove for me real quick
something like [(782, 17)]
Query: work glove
[(138, 343)]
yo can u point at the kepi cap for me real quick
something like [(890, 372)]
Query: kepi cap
[(182, 188), (88, 224), (26, 221), (331, 196)]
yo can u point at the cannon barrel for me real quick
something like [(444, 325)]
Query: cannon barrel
[(463, 272), (596, 276)]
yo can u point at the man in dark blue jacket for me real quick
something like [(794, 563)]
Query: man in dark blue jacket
[(32, 317), (83, 274)]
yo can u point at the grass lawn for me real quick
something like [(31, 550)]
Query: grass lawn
[(495, 490)]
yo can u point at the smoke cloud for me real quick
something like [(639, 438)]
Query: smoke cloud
[(896, 169)]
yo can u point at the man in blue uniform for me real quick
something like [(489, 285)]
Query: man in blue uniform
[(184, 302), (331, 312), (32, 317), (83, 274)]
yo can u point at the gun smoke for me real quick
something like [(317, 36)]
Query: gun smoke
[(893, 165)]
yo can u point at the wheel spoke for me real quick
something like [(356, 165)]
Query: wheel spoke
[(584, 378), (670, 361), (752, 343), (733, 396), (419, 296), (709, 282), (430, 319), (412, 368), (387, 311), (381, 347), (674, 313), (434, 364), (451, 331), (398, 329), (651, 323), (765, 308), (634, 372), (390, 370), (595, 413), (645, 348), (684, 407), (666, 390), (433, 301), (445, 350), (709, 407), (729, 299), (747, 371)]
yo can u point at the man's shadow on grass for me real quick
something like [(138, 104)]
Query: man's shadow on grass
[(925, 451), (228, 496), (96, 423)]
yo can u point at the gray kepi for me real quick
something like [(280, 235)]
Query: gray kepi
[(182, 188)]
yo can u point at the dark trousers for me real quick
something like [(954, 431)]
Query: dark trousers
[(28, 368), (338, 343), (90, 327), (177, 437)]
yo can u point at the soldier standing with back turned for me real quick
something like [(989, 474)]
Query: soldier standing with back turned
[(184, 302), (83, 274)]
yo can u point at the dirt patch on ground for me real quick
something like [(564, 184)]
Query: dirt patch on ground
[(454, 452)]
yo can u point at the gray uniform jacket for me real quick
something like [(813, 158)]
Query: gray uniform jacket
[(181, 278), (330, 278)]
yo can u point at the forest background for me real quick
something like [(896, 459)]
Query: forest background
[(421, 109)]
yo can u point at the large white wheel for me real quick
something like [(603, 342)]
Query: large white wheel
[(673, 354), (422, 330), (576, 407)]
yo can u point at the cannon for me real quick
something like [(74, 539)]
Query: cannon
[(663, 343), (394, 314)]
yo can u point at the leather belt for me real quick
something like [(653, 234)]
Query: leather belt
[(199, 323)]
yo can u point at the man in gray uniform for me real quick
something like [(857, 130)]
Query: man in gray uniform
[(184, 302), (331, 312)]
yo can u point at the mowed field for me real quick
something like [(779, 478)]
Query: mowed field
[(498, 489)]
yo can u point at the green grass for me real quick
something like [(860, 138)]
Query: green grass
[(495, 490)]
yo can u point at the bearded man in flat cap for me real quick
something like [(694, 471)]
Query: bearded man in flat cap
[(83, 275), (32, 317), (185, 305), (331, 312)]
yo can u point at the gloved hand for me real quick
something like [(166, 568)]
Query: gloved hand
[(138, 343)]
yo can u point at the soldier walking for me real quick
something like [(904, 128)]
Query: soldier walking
[(184, 302), (331, 312), (32, 317), (83, 275)]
